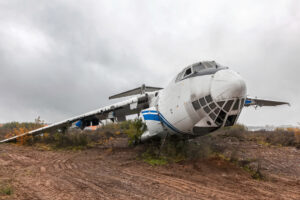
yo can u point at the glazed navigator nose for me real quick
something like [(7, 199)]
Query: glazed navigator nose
[(227, 84)]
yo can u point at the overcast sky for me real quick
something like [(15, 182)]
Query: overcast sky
[(61, 58)]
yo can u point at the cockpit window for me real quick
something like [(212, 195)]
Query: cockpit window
[(179, 76), (211, 65), (188, 72), (198, 67)]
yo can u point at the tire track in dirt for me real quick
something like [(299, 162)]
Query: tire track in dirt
[(106, 180), (182, 187), (101, 173)]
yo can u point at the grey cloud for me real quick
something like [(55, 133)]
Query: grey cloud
[(62, 58)]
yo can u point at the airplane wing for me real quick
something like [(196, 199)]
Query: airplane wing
[(139, 90), (115, 111), (263, 102)]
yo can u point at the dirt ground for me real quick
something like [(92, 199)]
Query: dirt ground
[(116, 173)]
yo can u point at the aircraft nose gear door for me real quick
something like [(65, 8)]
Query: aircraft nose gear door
[(152, 119)]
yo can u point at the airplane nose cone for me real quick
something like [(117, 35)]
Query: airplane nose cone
[(227, 84)]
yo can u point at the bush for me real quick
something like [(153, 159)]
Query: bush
[(134, 129), (176, 149), (11, 129), (237, 127), (72, 139), (276, 138)]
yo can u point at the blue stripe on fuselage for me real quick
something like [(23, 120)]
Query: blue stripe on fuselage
[(149, 111), (154, 117), (157, 116), (168, 124)]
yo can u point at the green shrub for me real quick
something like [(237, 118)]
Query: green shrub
[(156, 161), (175, 149), (237, 127), (5, 189), (134, 129), (70, 140)]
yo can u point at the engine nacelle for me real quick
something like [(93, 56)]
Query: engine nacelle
[(152, 119)]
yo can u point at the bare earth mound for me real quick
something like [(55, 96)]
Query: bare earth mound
[(115, 173)]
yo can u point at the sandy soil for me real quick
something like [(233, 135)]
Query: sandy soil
[(115, 173)]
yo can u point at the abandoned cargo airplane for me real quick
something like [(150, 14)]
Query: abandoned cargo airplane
[(200, 99)]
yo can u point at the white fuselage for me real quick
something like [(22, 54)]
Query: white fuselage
[(196, 104)]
